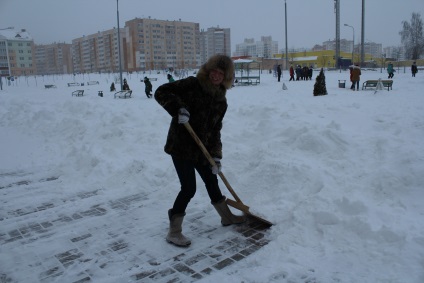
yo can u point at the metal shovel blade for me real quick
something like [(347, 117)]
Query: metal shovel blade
[(237, 203)]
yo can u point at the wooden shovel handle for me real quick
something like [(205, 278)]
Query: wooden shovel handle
[(210, 159)]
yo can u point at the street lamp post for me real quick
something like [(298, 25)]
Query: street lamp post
[(285, 18), (383, 62), (119, 46), (353, 39)]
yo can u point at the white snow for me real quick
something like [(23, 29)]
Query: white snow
[(341, 176)]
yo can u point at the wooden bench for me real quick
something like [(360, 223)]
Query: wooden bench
[(93, 83), (73, 84), (123, 94), (49, 86), (79, 92), (248, 80), (373, 84)]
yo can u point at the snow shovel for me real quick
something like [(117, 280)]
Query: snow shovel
[(238, 204)]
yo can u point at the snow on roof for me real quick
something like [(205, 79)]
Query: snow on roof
[(307, 58), (243, 61), (13, 34)]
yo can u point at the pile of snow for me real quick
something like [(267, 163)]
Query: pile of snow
[(340, 175)]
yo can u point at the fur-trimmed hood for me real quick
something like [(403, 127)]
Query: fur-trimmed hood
[(221, 62)]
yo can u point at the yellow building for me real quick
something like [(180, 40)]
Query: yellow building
[(320, 59)]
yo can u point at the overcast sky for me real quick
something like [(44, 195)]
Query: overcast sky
[(309, 22)]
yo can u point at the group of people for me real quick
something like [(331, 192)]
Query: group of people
[(391, 70), (148, 87), (302, 73), (355, 73)]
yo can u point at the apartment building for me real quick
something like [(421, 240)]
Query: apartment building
[(345, 45), (53, 58), (395, 52), (99, 52), (160, 44), (146, 44), (265, 48), (4, 57), (214, 41), (16, 53), (375, 49)]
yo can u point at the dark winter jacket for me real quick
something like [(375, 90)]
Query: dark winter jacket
[(298, 71), (206, 104), (148, 85), (305, 70), (278, 70), (390, 68), (414, 69)]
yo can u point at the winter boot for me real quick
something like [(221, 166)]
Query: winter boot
[(227, 217), (174, 235)]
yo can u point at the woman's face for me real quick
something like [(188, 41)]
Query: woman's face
[(216, 76)]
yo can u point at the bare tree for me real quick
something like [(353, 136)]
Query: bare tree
[(412, 37)]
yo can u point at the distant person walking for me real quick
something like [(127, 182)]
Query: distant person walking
[(305, 72), (298, 72), (148, 87), (279, 72), (170, 78), (310, 72), (291, 73), (390, 70), (355, 77), (414, 69)]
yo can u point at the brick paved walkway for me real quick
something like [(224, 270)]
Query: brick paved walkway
[(89, 238)]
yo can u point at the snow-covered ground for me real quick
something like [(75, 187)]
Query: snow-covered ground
[(341, 176)]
